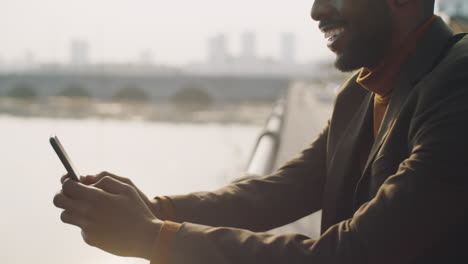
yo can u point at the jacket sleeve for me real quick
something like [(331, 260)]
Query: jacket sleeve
[(424, 203), (295, 190)]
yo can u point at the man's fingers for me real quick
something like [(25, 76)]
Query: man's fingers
[(72, 218), (62, 201), (76, 190), (112, 185), (88, 179), (103, 174), (63, 178)]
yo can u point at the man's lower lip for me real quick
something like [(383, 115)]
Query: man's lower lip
[(332, 43)]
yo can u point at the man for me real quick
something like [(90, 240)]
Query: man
[(390, 171)]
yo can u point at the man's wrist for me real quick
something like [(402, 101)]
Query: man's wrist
[(164, 242), (150, 238)]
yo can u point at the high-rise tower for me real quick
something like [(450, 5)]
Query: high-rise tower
[(217, 53), (249, 43), (288, 48), (79, 52)]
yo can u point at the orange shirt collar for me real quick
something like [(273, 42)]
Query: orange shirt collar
[(381, 80)]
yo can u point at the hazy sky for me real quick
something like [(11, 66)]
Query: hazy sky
[(174, 31)]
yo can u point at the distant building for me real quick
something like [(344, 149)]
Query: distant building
[(217, 53), (79, 52), (288, 48), (249, 49), (249, 63)]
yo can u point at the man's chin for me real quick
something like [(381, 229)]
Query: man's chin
[(346, 63)]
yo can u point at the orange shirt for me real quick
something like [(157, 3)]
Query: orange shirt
[(167, 232)]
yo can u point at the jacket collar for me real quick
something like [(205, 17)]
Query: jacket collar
[(421, 62), (381, 80)]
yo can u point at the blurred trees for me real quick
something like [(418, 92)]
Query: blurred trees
[(23, 91), (132, 93), (75, 90), (193, 97)]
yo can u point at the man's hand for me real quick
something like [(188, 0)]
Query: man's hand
[(111, 214), (93, 179)]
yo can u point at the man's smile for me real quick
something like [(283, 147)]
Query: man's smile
[(333, 29), (332, 34)]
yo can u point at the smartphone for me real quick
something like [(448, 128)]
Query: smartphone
[(72, 172)]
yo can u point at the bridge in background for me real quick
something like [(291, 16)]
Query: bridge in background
[(155, 87)]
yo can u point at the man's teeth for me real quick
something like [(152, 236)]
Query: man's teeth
[(333, 33)]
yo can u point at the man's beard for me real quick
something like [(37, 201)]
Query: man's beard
[(370, 40)]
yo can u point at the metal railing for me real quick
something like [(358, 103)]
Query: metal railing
[(264, 154)]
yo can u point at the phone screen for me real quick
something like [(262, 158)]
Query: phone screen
[(72, 171)]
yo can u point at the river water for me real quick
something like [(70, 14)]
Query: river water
[(161, 158)]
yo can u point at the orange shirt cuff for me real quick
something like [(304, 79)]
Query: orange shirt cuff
[(164, 242), (166, 210)]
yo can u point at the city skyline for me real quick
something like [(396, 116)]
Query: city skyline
[(174, 32), (218, 59), (215, 51)]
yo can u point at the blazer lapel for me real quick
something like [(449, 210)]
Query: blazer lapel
[(348, 143), (419, 64), (343, 165)]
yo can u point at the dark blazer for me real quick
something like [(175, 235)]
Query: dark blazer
[(410, 205)]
